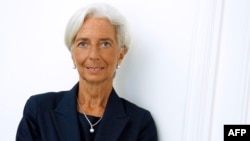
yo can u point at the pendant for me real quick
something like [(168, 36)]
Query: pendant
[(92, 130)]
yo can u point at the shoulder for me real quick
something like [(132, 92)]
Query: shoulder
[(48, 97), (134, 110), (141, 119), (132, 107), (44, 101)]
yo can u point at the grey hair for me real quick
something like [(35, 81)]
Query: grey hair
[(100, 10)]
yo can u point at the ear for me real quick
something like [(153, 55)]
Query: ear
[(73, 59), (123, 51)]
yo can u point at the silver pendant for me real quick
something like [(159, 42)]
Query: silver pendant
[(92, 130)]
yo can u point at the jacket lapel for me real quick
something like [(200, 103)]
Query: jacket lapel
[(65, 117), (114, 120)]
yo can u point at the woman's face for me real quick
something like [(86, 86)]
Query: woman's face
[(95, 51)]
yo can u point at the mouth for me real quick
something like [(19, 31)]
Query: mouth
[(94, 69)]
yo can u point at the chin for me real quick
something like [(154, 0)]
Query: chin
[(94, 80)]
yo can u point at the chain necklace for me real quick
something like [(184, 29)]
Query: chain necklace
[(91, 130)]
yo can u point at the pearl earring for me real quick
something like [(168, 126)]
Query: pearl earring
[(118, 66)]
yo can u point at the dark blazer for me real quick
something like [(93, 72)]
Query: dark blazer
[(53, 117)]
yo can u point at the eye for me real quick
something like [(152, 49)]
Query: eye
[(82, 44), (105, 44)]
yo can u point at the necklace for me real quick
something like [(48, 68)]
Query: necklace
[(91, 130)]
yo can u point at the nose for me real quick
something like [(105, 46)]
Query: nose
[(94, 53)]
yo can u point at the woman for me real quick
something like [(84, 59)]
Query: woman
[(98, 41)]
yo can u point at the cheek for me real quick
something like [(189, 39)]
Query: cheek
[(113, 58), (77, 57)]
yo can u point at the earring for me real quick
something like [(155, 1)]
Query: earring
[(74, 66), (118, 66)]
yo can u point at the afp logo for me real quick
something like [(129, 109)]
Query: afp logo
[(236, 132)]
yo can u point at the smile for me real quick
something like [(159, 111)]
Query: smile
[(94, 69)]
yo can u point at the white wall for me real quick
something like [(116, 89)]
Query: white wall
[(188, 63)]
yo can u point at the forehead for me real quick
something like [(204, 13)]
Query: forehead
[(97, 28)]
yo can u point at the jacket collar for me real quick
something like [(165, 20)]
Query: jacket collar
[(65, 117), (67, 125), (113, 121)]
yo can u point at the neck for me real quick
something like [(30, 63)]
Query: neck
[(93, 97)]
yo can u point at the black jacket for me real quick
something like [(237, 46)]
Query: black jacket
[(53, 117)]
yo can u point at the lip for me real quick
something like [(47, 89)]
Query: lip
[(94, 69)]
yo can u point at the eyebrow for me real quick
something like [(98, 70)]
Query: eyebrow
[(107, 39), (81, 39), (86, 39)]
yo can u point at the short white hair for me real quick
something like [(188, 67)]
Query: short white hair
[(99, 10)]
